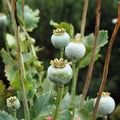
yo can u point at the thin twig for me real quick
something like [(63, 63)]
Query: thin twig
[(84, 18), (19, 60), (106, 65), (90, 70), (8, 5)]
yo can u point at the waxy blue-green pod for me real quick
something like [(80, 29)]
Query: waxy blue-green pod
[(75, 50), (60, 72), (13, 102), (106, 104), (60, 38)]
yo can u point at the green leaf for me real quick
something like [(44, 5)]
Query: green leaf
[(85, 61), (69, 27), (16, 83), (10, 71), (6, 57), (83, 114), (5, 116), (47, 85), (42, 106), (65, 115), (31, 18), (10, 40), (102, 39), (88, 104), (45, 111), (66, 102)]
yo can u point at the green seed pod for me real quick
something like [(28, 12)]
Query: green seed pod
[(60, 72), (60, 38), (75, 50), (13, 102), (106, 104)]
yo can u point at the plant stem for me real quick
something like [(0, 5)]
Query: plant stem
[(105, 117), (60, 94), (84, 18), (73, 89), (90, 70), (19, 61), (61, 53), (15, 115), (106, 65), (23, 2), (29, 38)]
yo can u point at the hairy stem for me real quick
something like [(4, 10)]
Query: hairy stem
[(59, 99), (84, 18), (106, 65), (90, 70), (19, 61)]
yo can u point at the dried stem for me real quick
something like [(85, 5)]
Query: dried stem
[(106, 65), (19, 60), (90, 70), (84, 18), (8, 5)]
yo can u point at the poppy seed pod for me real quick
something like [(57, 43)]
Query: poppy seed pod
[(60, 38), (106, 104), (60, 72), (13, 102), (75, 50)]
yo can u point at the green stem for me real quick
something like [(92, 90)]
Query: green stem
[(23, 2), (29, 38), (61, 53), (15, 117), (60, 94), (73, 89), (105, 117), (19, 61), (84, 18)]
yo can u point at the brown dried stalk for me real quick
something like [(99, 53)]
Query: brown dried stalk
[(106, 65), (84, 18), (19, 59), (90, 70)]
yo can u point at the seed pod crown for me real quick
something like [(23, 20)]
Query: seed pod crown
[(58, 63)]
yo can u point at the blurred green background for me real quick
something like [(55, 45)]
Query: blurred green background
[(71, 11)]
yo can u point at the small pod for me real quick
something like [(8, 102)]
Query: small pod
[(60, 72), (106, 104), (75, 50), (13, 102), (60, 38)]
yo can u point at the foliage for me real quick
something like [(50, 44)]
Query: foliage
[(40, 92)]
